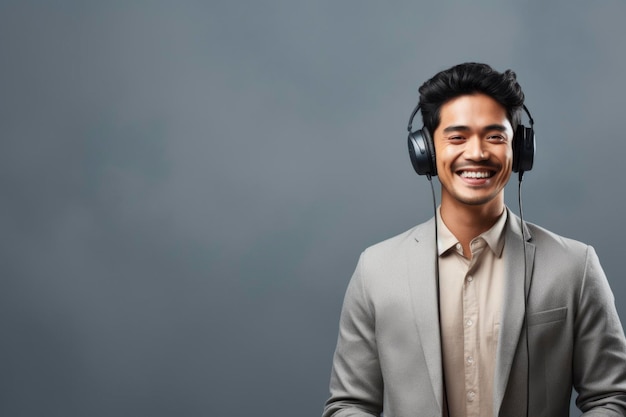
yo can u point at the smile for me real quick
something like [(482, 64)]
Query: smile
[(476, 174)]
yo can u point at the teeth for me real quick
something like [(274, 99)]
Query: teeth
[(474, 174)]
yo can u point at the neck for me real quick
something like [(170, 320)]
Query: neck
[(467, 221)]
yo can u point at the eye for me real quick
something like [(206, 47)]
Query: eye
[(496, 138), (456, 138)]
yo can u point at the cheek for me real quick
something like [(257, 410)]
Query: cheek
[(509, 157), (507, 162), (445, 156), (505, 156)]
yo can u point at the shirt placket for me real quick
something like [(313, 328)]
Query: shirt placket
[(470, 336)]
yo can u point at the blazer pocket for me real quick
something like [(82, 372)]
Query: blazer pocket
[(548, 316)]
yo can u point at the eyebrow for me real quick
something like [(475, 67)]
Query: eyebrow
[(463, 128)]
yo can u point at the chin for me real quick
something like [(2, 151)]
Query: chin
[(476, 200)]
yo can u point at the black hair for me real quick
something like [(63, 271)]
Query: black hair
[(470, 78)]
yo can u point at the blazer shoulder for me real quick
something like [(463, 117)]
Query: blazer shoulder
[(545, 239), (557, 253), (389, 249)]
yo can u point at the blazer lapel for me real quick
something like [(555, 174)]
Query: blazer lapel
[(515, 288), (423, 287)]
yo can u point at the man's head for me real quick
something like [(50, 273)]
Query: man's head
[(471, 112), (470, 78), (473, 143)]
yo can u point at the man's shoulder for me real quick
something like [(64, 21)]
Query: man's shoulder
[(396, 245), (386, 261), (541, 236), (554, 249)]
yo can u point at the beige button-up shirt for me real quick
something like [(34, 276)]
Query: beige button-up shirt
[(471, 293)]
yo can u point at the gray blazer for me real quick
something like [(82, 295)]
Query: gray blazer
[(388, 354)]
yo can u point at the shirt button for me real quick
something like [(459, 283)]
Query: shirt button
[(458, 246), (470, 360), (470, 278), (470, 396), (468, 322)]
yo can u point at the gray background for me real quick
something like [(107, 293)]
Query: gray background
[(186, 186)]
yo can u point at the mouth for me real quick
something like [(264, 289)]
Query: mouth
[(482, 174)]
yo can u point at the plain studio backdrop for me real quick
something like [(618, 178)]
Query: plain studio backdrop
[(186, 186)]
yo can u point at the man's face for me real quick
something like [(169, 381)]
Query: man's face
[(474, 150)]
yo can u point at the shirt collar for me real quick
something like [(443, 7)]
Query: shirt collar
[(494, 237)]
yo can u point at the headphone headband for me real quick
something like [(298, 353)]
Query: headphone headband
[(415, 110)]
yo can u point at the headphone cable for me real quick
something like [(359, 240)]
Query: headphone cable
[(443, 372), (526, 292)]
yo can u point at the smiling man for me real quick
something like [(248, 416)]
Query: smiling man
[(474, 313)]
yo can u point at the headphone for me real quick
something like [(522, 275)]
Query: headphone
[(422, 148)]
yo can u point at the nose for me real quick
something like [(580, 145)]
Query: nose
[(475, 149)]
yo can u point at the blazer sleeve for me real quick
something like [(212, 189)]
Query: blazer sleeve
[(356, 384), (599, 362)]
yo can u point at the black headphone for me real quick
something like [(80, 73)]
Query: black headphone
[(422, 148)]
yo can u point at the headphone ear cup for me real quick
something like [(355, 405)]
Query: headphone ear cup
[(422, 152), (523, 149)]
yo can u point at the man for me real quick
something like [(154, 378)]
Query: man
[(500, 319)]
